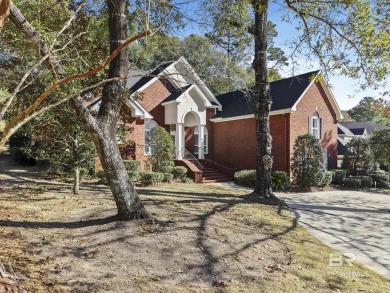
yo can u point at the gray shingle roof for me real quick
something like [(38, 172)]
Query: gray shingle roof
[(368, 125), (284, 93), (343, 130), (145, 79)]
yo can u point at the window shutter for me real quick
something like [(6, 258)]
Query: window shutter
[(322, 131), (310, 128)]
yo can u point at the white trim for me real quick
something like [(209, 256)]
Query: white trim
[(278, 112), (137, 110), (200, 81), (294, 107), (328, 93), (232, 118), (154, 78), (332, 100), (170, 102)]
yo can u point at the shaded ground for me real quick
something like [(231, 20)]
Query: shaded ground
[(202, 238)]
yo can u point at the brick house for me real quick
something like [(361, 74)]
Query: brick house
[(221, 129), (354, 129)]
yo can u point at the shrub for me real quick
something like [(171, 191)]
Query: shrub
[(245, 178), (132, 165), (20, 156), (163, 148), (84, 172), (100, 174), (352, 182), (333, 173), (308, 162), (280, 180), (134, 176), (339, 176), (376, 176), (168, 177), (166, 166), (186, 180), (382, 184), (179, 172), (358, 156), (152, 178), (327, 178), (366, 181)]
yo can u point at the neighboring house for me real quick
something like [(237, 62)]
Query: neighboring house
[(354, 129), (222, 128)]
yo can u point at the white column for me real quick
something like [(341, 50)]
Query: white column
[(179, 141), (201, 142)]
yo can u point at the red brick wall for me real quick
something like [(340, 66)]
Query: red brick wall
[(153, 96), (279, 127), (315, 101), (235, 143)]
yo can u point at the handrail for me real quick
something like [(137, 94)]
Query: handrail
[(190, 157), (222, 163)]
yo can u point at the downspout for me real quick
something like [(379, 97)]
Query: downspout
[(287, 144)]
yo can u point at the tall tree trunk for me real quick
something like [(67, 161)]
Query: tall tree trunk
[(127, 201), (103, 129), (263, 185)]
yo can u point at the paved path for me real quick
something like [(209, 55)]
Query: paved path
[(351, 222)]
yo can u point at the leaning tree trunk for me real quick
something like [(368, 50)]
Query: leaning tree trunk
[(263, 186), (103, 129), (127, 201)]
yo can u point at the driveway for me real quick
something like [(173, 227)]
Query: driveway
[(354, 223)]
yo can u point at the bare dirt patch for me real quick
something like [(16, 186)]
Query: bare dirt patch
[(56, 242), (200, 238)]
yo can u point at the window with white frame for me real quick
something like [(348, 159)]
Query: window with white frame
[(148, 146), (315, 126), (205, 141)]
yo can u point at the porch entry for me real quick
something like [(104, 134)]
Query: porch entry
[(193, 131)]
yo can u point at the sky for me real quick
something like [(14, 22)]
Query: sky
[(345, 90)]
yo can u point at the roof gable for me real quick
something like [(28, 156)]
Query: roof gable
[(285, 94), (180, 74)]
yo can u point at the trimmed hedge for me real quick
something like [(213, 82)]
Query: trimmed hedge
[(379, 176), (168, 177), (179, 172), (382, 184), (245, 178), (280, 180), (328, 178), (367, 181), (352, 182), (132, 165), (339, 176), (134, 176), (166, 167), (186, 180), (151, 178)]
